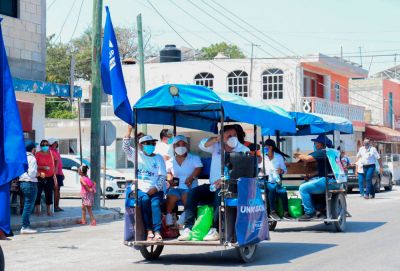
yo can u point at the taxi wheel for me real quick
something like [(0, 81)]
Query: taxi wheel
[(272, 225), (151, 252), (338, 209), (2, 264), (247, 253)]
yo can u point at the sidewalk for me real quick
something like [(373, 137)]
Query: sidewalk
[(70, 216)]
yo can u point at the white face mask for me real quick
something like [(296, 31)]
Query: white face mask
[(180, 150), (232, 142)]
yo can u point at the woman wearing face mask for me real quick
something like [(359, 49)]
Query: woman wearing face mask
[(46, 176), (185, 168), (151, 182), (274, 168)]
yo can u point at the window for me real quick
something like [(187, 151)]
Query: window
[(9, 8), (272, 84), (238, 83), (204, 79), (69, 163), (337, 92)]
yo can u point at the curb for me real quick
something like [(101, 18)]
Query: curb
[(102, 215)]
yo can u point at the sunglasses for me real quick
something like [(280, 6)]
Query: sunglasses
[(149, 143), (44, 145)]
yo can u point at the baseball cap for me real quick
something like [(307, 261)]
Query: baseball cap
[(146, 138), (324, 140), (179, 138), (52, 141)]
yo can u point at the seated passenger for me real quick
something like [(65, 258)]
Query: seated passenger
[(274, 168), (151, 181), (209, 193), (184, 166), (316, 185)]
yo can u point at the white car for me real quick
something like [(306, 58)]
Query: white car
[(115, 180)]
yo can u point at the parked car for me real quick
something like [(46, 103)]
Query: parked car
[(393, 163), (115, 180), (379, 180)]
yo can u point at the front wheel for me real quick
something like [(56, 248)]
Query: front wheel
[(339, 210), (2, 264), (151, 252), (247, 253)]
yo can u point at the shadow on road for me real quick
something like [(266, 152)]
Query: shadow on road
[(351, 227), (362, 226), (268, 253)]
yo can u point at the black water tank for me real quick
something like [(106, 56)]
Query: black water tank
[(170, 54)]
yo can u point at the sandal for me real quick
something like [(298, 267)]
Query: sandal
[(150, 237), (93, 223), (82, 222), (157, 237)]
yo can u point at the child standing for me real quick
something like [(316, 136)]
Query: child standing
[(88, 188)]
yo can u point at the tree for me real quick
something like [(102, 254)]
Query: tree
[(230, 50), (58, 62)]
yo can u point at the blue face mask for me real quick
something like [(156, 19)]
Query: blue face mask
[(266, 150), (149, 149), (45, 148), (170, 140)]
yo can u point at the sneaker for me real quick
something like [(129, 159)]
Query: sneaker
[(371, 197), (182, 218), (212, 235), (58, 209), (169, 220), (274, 215), (366, 197), (286, 216), (307, 216), (27, 231), (185, 235)]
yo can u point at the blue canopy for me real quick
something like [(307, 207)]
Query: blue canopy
[(313, 123), (198, 107)]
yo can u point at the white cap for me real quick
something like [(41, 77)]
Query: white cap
[(146, 138), (179, 138), (52, 141)]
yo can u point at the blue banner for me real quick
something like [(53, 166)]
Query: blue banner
[(46, 88), (336, 164), (252, 220), (111, 73)]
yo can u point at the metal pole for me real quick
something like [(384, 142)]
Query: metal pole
[(105, 165), (80, 130), (263, 153), (223, 238), (96, 99), (255, 152), (141, 62), (135, 167)]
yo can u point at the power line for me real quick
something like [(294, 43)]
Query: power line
[(66, 18), (52, 3), (77, 21)]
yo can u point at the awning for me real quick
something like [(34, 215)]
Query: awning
[(382, 134), (26, 113), (46, 88)]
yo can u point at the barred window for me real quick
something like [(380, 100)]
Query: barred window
[(204, 79), (238, 83), (272, 84)]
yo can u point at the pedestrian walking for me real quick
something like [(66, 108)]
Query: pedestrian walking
[(53, 143), (46, 178), (369, 159), (88, 189), (28, 186)]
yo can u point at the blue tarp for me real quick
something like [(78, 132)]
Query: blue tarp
[(198, 107), (45, 88), (313, 123)]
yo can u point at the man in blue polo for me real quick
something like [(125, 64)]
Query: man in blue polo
[(316, 185)]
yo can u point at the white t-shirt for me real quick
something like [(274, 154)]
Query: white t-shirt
[(360, 168), (151, 169), (164, 149), (215, 150), (274, 164), (183, 171), (368, 156)]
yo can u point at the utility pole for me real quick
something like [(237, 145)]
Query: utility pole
[(72, 80), (96, 100), (341, 52), (360, 56), (141, 62), (251, 69)]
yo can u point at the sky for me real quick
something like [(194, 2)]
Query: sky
[(288, 27)]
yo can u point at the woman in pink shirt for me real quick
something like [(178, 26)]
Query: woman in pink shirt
[(46, 180), (88, 188)]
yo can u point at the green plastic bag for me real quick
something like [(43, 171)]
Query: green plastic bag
[(295, 207), (279, 207), (203, 222)]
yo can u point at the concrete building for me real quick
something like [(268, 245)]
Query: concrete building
[(24, 33)]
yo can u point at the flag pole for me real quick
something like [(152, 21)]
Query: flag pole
[(141, 62), (96, 100)]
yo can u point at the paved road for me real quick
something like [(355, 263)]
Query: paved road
[(372, 242)]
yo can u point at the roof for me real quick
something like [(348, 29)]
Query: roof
[(198, 107), (382, 133)]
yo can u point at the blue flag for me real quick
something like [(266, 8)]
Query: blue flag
[(13, 161), (111, 73)]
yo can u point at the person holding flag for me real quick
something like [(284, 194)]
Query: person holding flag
[(13, 161)]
